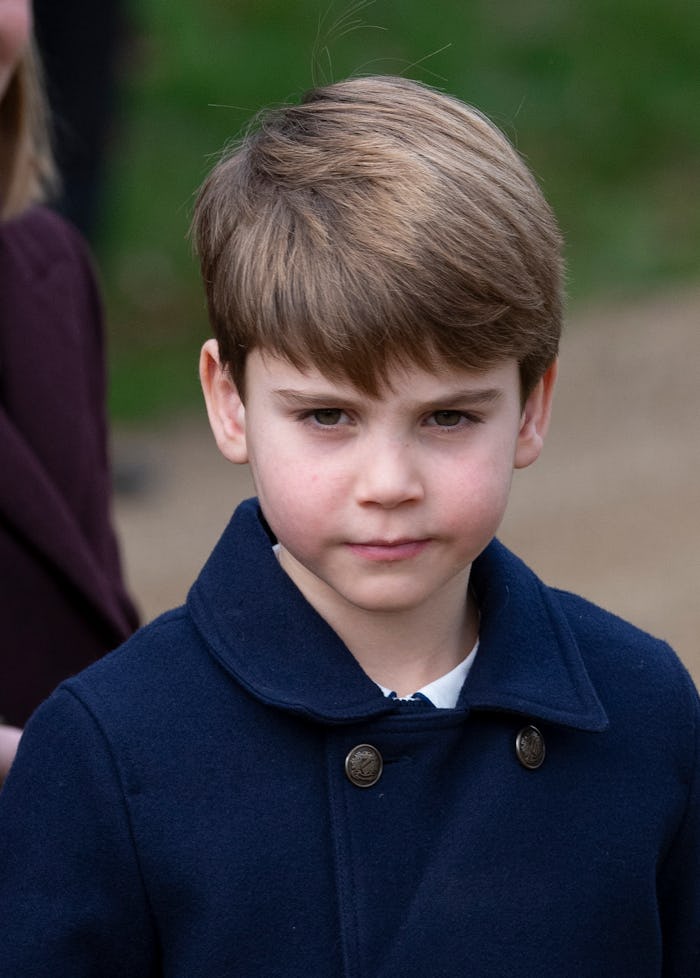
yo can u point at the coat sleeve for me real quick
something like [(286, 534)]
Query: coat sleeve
[(679, 875), (73, 900)]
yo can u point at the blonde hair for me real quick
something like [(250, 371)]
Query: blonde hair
[(379, 222), (27, 173)]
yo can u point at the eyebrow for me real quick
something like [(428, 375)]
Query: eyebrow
[(470, 396)]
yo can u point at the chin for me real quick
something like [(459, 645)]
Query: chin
[(384, 603)]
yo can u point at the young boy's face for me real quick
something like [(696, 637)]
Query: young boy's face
[(378, 504)]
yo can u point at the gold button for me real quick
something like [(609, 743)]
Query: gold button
[(364, 765), (529, 746)]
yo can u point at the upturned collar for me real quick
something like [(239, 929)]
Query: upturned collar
[(262, 630)]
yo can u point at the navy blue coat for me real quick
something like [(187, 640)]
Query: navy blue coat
[(62, 597), (182, 808)]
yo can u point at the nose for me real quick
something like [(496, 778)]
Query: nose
[(388, 475)]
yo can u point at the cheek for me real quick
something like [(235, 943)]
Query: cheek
[(477, 494), (295, 498)]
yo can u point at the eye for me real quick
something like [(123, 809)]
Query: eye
[(327, 416), (448, 419)]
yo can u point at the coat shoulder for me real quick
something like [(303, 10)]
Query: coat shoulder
[(628, 665)]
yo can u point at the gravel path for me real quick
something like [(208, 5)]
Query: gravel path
[(611, 510)]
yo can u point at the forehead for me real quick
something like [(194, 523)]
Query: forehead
[(271, 372)]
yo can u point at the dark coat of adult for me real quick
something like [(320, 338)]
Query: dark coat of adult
[(62, 599), (182, 808)]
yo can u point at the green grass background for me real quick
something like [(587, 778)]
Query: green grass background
[(601, 97)]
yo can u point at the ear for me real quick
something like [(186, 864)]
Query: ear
[(535, 419), (224, 406)]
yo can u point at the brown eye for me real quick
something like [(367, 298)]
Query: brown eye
[(327, 416), (447, 419)]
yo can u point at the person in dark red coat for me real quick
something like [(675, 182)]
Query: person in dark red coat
[(62, 598)]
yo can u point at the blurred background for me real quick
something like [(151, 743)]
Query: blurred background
[(603, 100)]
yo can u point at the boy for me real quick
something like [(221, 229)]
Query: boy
[(372, 743)]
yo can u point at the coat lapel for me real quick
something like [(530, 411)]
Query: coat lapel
[(36, 511)]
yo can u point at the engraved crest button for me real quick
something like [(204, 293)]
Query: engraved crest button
[(529, 746), (364, 765)]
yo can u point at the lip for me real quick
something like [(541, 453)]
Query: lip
[(389, 550)]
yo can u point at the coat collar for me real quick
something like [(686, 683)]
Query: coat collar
[(262, 630), (528, 661)]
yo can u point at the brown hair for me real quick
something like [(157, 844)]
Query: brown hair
[(27, 171), (379, 222)]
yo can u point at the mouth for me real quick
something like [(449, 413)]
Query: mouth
[(389, 550)]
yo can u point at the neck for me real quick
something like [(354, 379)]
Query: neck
[(411, 651), (406, 649)]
